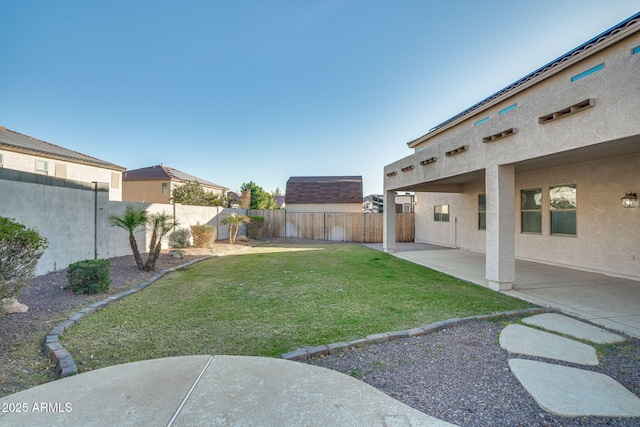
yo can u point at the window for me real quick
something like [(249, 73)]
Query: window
[(165, 188), (563, 204), (61, 170), (1, 160), (479, 122), (441, 213), (509, 108), (115, 180), (482, 211), (531, 210), (586, 73), (42, 167)]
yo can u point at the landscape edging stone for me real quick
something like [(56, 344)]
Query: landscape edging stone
[(65, 365), (302, 354)]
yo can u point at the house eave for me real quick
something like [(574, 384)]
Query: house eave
[(70, 159), (596, 44)]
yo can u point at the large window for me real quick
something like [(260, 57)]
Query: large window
[(165, 188), (563, 205), (531, 210), (482, 211), (441, 213)]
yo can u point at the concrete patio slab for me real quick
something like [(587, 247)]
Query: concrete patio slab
[(608, 301), (575, 328), (209, 390), (524, 340), (572, 392)]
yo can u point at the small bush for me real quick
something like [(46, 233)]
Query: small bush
[(89, 276), (179, 238), (20, 250), (254, 228), (203, 235)]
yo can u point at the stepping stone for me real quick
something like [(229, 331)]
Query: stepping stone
[(572, 392), (568, 326), (524, 340)]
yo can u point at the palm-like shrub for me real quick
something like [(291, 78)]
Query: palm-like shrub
[(134, 218), (234, 221)]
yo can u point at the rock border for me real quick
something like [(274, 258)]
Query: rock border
[(307, 353), (65, 365)]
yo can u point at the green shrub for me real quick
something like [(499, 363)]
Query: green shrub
[(254, 228), (90, 276), (179, 238), (203, 235), (20, 250)]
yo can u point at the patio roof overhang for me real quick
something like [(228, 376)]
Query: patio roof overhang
[(627, 146)]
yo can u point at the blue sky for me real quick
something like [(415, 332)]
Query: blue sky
[(239, 91)]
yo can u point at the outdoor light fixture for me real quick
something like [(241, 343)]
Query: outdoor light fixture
[(630, 200)]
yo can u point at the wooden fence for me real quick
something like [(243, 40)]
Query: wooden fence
[(333, 226)]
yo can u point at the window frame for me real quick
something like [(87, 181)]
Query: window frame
[(41, 171), (481, 212), (524, 211), (439, 215), (165, 188), (561, 210)]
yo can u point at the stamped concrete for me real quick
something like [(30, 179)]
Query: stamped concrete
[(575, 328), (524, 340), (572, 392), (208, 390)]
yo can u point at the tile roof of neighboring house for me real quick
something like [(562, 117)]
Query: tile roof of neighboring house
[(17, 142), (588, 48), (324, 189), (159, 172)]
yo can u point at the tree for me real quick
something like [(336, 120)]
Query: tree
[(192, 193), (134, 218), (234, 221), (260, 199), (245, 199)]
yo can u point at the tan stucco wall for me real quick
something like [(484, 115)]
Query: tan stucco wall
[(147, 191), (607, 237), (615, 89), (74, 171), (324, 207)]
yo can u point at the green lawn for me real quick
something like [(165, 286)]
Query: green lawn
[(273, 300)]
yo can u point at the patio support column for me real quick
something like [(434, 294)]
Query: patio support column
[(500, 235), (389, 222)]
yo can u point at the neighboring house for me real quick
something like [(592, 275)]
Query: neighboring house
[(154, 184), (280, 201), (373, 203), (404, 203), (27, 154), (324, 194), (538, 170), (234, 199)]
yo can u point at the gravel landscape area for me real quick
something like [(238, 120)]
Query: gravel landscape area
[(460, 374)]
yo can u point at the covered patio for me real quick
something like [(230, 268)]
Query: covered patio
[(609, 301)]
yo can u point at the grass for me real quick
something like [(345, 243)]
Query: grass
[(273, 300)]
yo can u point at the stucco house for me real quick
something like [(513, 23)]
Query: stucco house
[(324, 194), (541, 170), (27, 154), (154, 184)]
